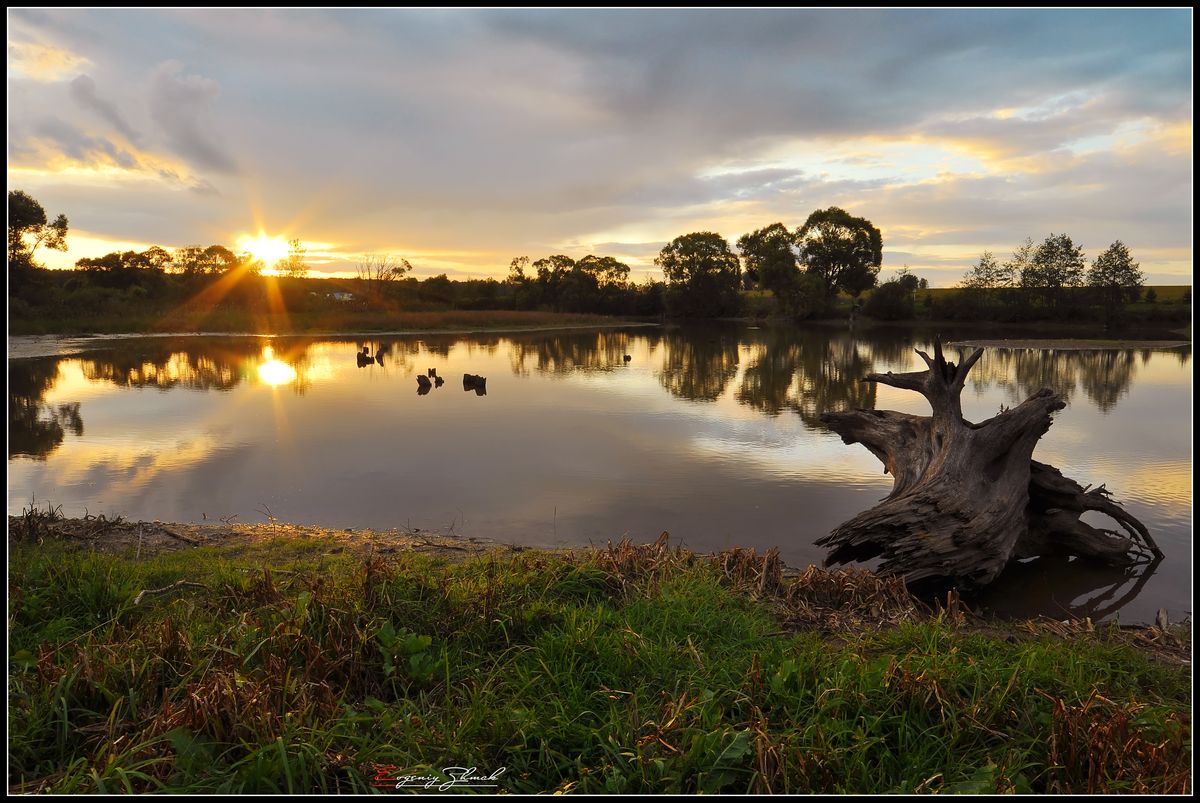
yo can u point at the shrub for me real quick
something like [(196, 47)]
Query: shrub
[(891, 301)]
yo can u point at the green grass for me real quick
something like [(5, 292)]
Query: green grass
[(632, 669)]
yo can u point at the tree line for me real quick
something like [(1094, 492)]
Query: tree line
[(1051, 279), (803, 270)]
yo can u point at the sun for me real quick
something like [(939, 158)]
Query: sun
[(267, 250)]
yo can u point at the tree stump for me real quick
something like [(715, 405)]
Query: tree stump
[(968, 498)]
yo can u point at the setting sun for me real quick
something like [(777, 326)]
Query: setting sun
[(267, 250)]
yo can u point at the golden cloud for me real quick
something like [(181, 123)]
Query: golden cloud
[(43, 62)]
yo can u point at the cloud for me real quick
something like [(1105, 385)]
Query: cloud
[(180, 105), (75, 146), (83, 92), (52, 146), (496, 132), (43, 62)]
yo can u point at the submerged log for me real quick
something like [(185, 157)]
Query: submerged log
[(968, 498)]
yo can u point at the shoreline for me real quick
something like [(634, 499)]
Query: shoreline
[(1071, 344), (149, 539), (146, 540)]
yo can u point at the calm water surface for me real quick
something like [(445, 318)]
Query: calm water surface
[(711, 434)]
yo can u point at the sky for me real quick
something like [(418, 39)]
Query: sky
[(459, 139)]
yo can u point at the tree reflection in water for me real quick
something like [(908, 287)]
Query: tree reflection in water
[(35, 429), (809, 372), (803, 370), (569, 352), (1104, 375), (698, 364)]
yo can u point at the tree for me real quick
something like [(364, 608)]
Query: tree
[(158, 259), (703, 275), (981, 285), (125, 269), (28, 229), (1057, 264), (218, 259), (907, 280), (516, 270), (1010, 273), (596, 284), (843, 250), (194, 261), (293, 264), (1116, 278), (378, 272), (984, 275), (770, 256), (608, 270)]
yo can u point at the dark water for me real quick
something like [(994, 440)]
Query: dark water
[(711, 434)]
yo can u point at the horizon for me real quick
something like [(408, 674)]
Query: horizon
[(461, 139)]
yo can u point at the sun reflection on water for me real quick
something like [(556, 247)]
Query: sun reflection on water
[(275, 372)]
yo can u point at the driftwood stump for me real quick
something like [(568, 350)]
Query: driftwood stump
[(968, 498)]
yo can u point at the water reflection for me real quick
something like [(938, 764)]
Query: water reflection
[(1077, 588), (35, 428), (698, 364), (570, 352), (1104, 376), (811, 372), (711, 433)]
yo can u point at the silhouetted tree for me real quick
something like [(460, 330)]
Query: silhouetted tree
[(1057, 264), (28, 230), (769, 254), (843, 250), (380, 272), (703, 275), (1116, 278), (194, 261), (124, 269), (293, 264)]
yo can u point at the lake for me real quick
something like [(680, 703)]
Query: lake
[(709, 433)]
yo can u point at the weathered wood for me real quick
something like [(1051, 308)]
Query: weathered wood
[(968, 498)]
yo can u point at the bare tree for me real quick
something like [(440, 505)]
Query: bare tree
[(379, 271), (293, 264)]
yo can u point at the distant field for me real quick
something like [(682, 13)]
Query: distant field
[(1167, 293)]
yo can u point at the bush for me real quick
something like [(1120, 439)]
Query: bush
[(891, 301), (1151, 296)]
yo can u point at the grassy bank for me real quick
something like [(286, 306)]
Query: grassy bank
[(301, 665)]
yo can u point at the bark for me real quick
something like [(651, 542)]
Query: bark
[(968, 498)]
